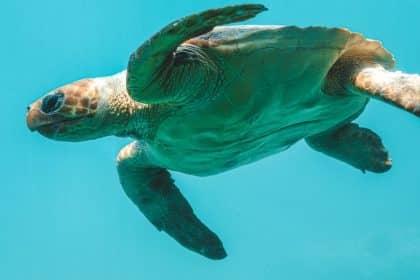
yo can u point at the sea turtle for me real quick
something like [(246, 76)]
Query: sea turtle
[(201, 98)]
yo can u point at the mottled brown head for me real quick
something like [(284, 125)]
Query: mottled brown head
[(67, 113)]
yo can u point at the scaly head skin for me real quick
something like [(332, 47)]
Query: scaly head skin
[(84, 110)]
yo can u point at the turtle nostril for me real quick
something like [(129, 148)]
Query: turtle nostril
[(52, 102), (28, 108)]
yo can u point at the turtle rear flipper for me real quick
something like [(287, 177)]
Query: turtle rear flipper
[(397, 88), (357, 146)]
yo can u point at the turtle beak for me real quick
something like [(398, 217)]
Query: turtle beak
[(45, 111), (35, 118)]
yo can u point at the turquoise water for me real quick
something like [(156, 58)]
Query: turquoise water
[(295, 215)]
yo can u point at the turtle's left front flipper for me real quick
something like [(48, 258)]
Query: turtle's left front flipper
[(357, 146), (155, 194), (151, 66), (397, 88)]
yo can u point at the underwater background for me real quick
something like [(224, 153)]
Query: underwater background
[(295, 215)]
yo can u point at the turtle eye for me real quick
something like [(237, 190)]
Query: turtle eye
[(52, 102)]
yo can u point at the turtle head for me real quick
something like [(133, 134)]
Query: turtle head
[(78, 111)]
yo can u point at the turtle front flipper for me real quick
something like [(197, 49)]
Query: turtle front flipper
[(397, 88), (155, 194), (152, 67), (357, 146)]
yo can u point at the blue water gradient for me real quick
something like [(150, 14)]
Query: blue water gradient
[(295, 215)]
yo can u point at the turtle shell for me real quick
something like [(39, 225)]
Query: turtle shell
[(291, 39), (333, 51), (276, 85)]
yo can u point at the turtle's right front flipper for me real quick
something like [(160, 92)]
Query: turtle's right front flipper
[(151, 65), (155, 194)]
